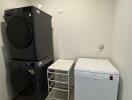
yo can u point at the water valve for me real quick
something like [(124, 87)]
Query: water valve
[(101, 47)]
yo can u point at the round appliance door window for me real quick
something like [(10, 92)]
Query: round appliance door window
[(19, 32), (22, 82)]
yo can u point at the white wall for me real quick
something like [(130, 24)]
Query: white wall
[(122, 46), (4, 4), (83, 25)]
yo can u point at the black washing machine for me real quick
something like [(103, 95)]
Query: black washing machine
[(29, 80), (28, 42)]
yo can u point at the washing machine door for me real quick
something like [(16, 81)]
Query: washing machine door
[(23, 82)]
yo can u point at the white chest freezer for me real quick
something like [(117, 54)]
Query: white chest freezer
[(95, 79)]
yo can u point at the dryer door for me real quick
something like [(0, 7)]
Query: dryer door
[(19, 32), (23, 82)]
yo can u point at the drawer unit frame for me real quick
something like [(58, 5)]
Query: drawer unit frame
[(60, 80)]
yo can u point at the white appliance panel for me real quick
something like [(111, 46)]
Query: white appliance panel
[(95, 86)]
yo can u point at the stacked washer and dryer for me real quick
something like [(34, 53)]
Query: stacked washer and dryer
[(95, 79), (28, 41)]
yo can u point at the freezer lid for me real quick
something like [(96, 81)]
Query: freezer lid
[(95, 65)]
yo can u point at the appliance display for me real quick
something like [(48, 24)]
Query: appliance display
[(28, 34), (29, 82), (95, 79)]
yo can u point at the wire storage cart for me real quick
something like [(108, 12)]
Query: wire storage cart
[(60, 80)]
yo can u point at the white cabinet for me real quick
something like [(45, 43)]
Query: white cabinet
[(60, 80)]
